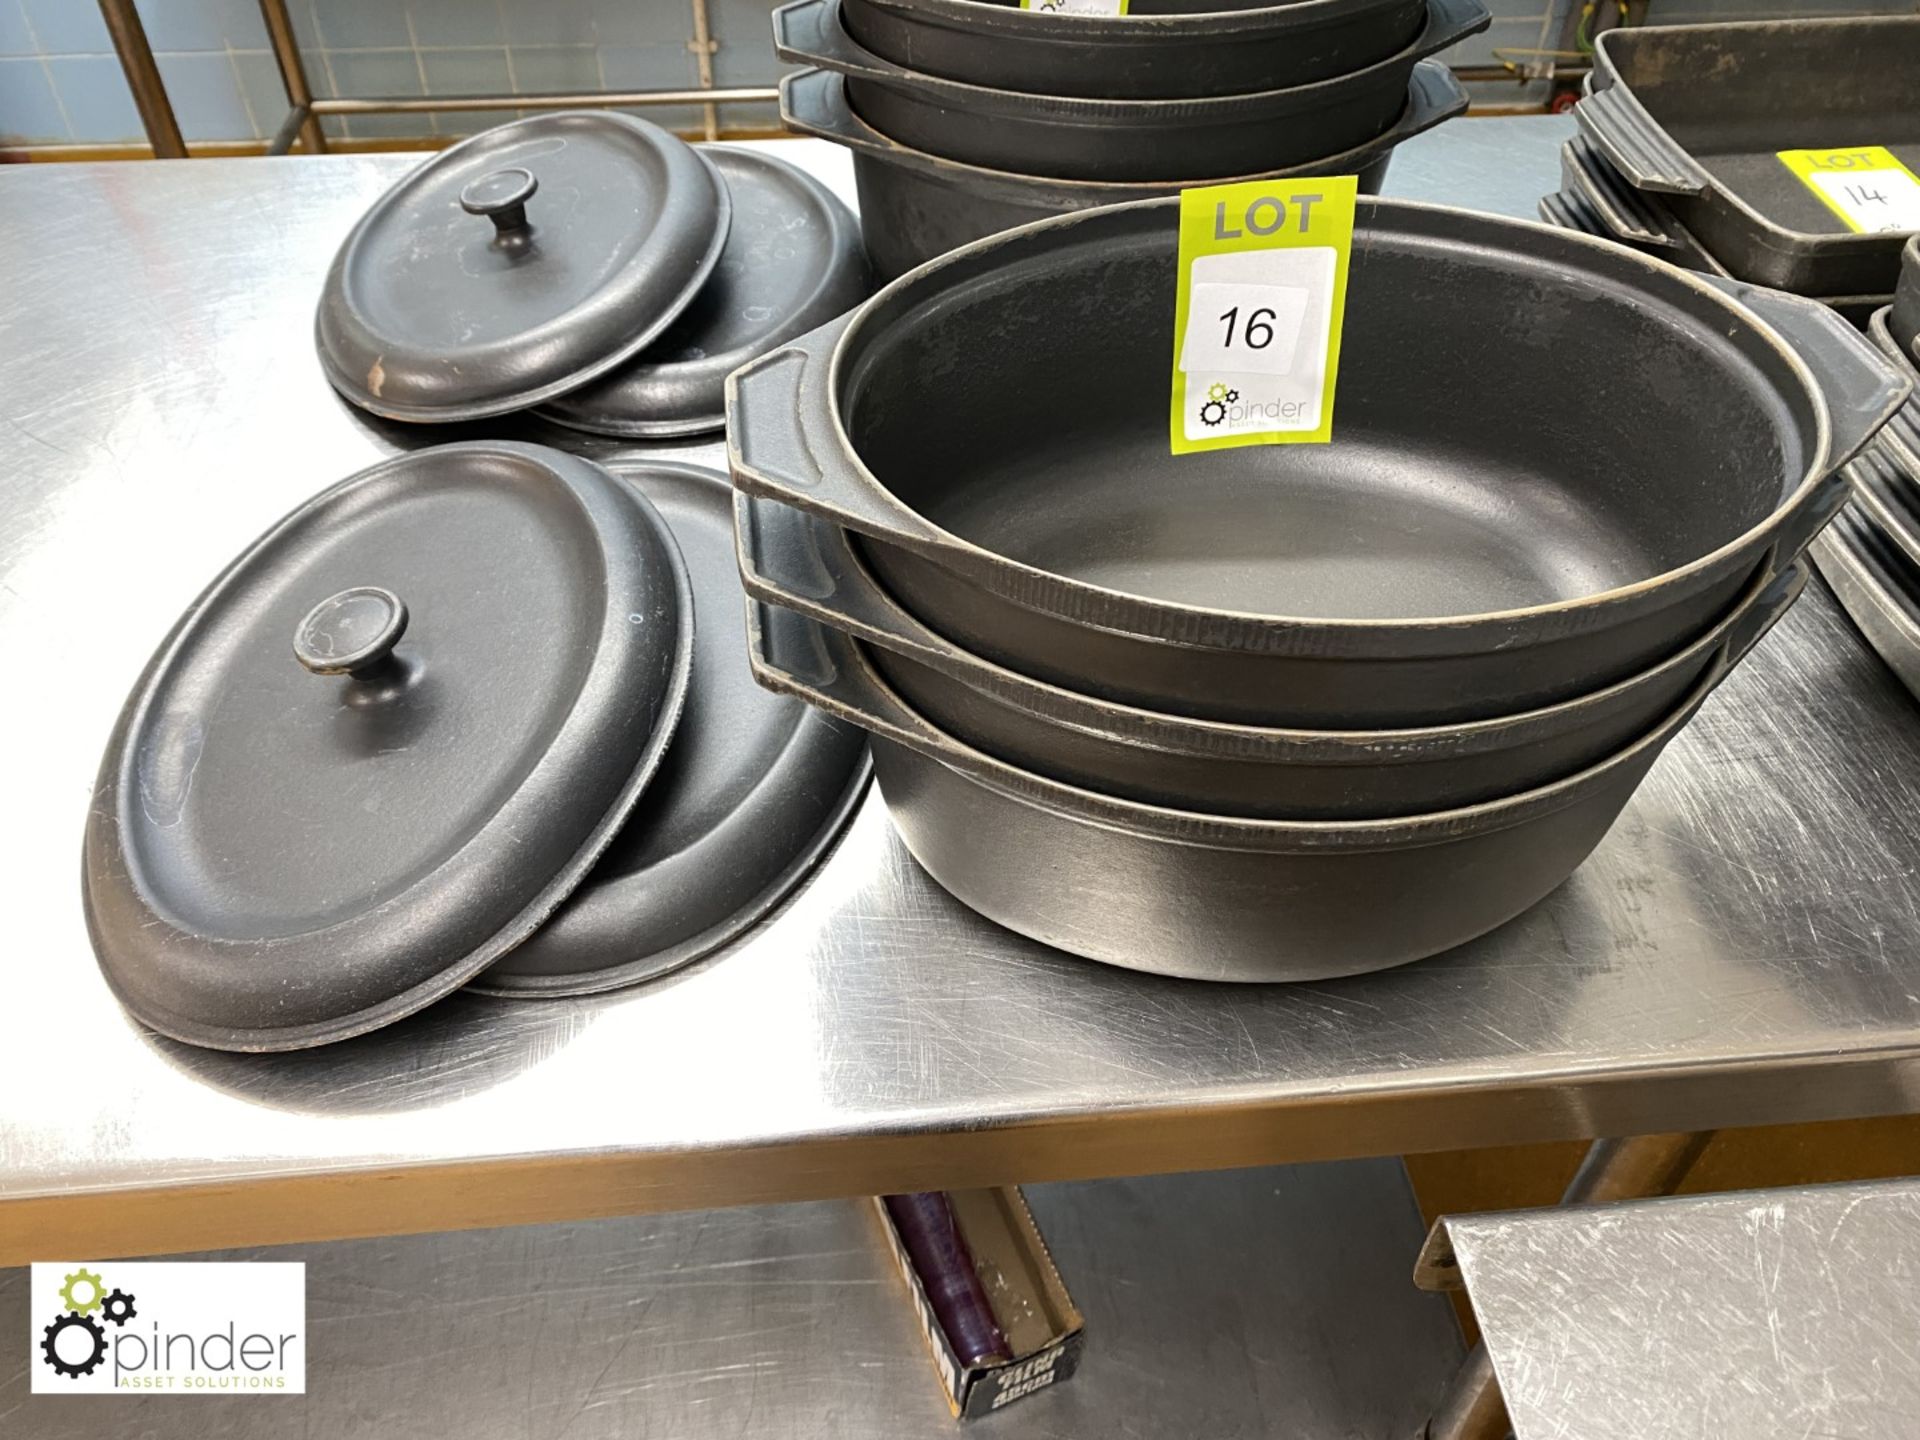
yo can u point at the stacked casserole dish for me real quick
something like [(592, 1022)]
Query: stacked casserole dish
[(968, 117), (1282, 712), (1681, 143)]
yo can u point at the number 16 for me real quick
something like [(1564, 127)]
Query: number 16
[(1258, 333)]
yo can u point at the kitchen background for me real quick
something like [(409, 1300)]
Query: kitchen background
[(61, 84)]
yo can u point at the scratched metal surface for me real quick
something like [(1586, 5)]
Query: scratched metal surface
[(1745, 947), (1764, 1312), (790, 1320)]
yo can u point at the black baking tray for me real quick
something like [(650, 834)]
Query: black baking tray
[(1699, 113), (1575, 207)]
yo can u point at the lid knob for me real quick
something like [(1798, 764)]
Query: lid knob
[(501, 197), (352, 633)]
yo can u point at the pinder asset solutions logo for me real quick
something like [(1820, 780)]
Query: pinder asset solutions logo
[(170, 1327)]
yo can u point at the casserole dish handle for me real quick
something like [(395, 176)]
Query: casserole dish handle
[(807, 32), (1860, 390), (1805, 524), (807, 107), (1448, 23), (793, 655), (784, 442), (1433, 94), (794, 562), (1766, 611)]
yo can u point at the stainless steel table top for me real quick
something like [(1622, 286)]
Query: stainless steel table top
[(1744, 948), (1765, 1312)]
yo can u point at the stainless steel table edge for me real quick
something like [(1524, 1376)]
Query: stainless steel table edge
[(271, 1206)]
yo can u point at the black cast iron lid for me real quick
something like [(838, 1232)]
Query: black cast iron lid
[(755, 789), (519, 264), (384, 745), (793, 260)]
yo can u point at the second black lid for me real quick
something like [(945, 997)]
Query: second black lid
[(753, 792), (793, 260)]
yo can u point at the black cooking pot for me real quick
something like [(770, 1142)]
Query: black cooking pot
[(793, 560), (1486, 533), (1119, 140), (914, 206), (1151, 52)]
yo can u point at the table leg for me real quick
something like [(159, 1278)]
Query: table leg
[(293, 74), (1626, 1169), (143, 78)]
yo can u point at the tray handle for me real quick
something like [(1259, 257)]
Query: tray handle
[(1629, 214), (1900, 440), (1556, 210), (783, 442), (1636, 144)]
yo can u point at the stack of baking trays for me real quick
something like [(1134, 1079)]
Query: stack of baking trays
[(967, 117), (1871, 555), (1779, 152), (1283, 711)]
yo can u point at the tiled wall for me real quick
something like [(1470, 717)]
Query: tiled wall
[(60, 81), (1524, 25)]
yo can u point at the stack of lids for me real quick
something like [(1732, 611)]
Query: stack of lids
[(483, 714), (967, 117), (587, 264)]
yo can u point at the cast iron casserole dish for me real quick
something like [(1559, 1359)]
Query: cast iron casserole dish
[(1483, 536)]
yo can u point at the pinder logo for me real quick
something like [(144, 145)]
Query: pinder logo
[(75, 1342), (1213, 409), (183, 1327)]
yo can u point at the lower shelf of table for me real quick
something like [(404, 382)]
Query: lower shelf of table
[(1247, 1303)]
